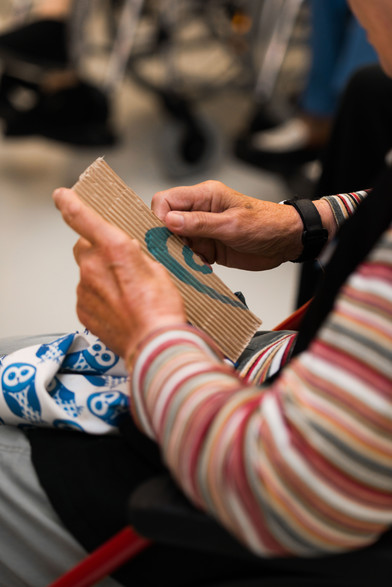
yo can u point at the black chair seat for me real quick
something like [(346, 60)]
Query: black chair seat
[(158, 510)]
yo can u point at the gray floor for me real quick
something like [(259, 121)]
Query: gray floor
[(38, 274)]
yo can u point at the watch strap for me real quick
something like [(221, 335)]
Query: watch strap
[(314, 235)]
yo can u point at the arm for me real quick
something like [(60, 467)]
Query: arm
[(274, 464), (342, 206), (232, 229), (302, 466)]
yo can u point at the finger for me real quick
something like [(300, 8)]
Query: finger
[(198, 224), (81, 247), (196, 197), (83, 219)]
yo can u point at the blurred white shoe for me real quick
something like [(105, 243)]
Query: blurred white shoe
[(288, 136), (299, 133)]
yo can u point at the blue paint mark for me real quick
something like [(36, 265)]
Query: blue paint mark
[(188, 255), (156, 241)]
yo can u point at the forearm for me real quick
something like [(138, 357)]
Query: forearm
[(300, 466)]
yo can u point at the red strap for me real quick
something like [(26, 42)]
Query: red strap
[(293, 322), (107, 558)]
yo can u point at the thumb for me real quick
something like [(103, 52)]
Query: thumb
[(194, 224)]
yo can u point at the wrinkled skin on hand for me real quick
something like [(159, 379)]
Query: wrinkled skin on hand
[(123, 295), (226, 227)]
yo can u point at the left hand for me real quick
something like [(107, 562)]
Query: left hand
[(226, 227), (123, 295)]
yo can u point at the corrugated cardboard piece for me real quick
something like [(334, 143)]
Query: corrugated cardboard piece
[(209, 303)]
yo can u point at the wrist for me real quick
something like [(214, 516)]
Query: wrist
[(143, 335), (314, 234), (327, 218), (293, 234)]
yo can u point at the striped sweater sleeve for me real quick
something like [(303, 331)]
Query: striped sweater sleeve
[(268, 360), (303, 465), (344, 205)]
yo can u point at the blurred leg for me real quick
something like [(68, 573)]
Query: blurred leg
[(35, 547), (355, 53), (328, 29)]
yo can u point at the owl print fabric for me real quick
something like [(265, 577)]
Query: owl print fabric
[(74, 382)]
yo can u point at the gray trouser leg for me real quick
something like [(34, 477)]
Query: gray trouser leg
[(13, 343), (35, 547)]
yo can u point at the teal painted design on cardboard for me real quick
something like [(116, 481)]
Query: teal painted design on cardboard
[(188, 255), (156, 241)]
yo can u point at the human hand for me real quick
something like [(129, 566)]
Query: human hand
[(123, 295), (226, 227)]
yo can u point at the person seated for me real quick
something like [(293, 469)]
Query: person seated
[(338, 47), (295, 462), (357, 152)]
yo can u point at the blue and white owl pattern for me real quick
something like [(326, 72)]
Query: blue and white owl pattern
[(74, 383)]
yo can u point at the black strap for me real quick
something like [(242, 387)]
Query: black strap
[(314, 235)]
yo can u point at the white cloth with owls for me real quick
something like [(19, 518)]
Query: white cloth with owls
[(74, 382)]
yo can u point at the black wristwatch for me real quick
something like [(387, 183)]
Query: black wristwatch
[(314, 235)]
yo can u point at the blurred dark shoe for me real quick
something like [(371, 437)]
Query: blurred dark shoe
[(43, 43), (77, 115)]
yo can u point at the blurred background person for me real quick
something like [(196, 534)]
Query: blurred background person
[(41, 92), (338, 47)]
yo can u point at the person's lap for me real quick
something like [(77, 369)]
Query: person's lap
[(13, 343), (35, 546)]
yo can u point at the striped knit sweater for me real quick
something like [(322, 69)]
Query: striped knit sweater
[(300, 466)]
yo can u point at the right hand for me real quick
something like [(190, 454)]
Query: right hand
[(123, 295), (226, 227)]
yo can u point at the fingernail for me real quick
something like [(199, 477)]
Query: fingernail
[(175, 219)]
